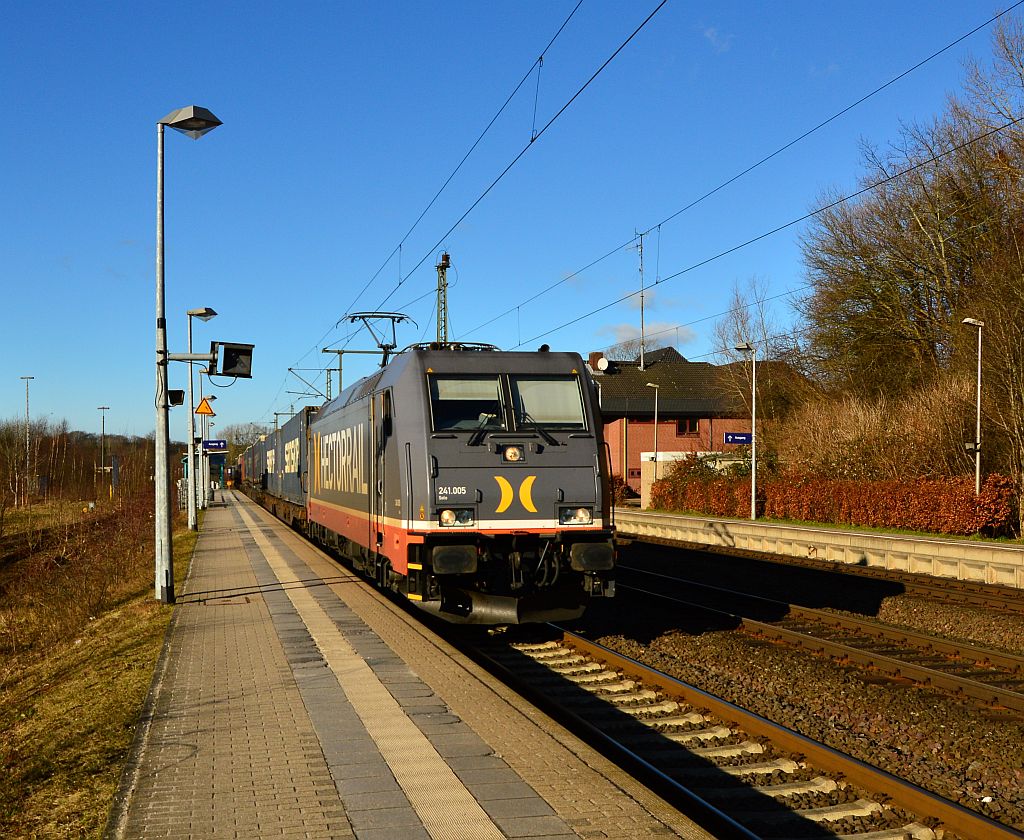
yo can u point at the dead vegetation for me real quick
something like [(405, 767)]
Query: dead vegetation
[(80, 633)]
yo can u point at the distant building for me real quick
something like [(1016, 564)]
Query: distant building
[(695, 409)]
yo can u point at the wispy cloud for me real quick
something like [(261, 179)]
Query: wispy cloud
[(652, 299), (719, 42), (658, 331)]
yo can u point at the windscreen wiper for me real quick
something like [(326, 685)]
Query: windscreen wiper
[(478, 436), (526, 418)]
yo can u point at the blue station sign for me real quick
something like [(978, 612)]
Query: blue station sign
[(739, 437), (215, 446)]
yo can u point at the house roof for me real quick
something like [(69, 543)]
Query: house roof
[(684, 388)]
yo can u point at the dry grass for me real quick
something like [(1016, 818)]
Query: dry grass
[(70, 695)]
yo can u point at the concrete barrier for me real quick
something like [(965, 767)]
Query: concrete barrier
[(981, 562)]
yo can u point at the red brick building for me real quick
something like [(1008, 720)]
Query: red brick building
[(695, 409)]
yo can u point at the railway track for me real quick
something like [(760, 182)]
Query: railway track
[(984, 674), (734, 771), (969, 593)]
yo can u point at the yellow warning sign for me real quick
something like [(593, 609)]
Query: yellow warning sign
[(204, 408)]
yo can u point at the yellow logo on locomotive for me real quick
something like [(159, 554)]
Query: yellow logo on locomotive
[(525, 493)]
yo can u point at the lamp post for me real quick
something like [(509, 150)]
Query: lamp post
[(27, 446), (204, 314), (195, 122), (103, 409), (747, 347), (974, 322), (656, 388)]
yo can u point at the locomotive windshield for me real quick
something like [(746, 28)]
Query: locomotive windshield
[(462, 402), (552, 402)]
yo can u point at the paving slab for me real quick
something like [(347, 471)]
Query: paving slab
[(292, 701)]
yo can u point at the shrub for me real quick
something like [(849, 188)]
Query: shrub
[(941, 506), (621, 491)]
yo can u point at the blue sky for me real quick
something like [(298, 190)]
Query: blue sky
[(341, 122)]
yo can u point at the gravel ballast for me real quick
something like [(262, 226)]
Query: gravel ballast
[(962, 750)]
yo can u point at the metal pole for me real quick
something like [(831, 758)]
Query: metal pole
[(201, 456), (207, 467), (656, 433), (206, 464), (103, 445), (643, 341), (28, 457), (164, 559), (193, 521), (977, 431), (753, 432)]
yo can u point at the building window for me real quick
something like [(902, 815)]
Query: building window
[(687, 426), (634, 473)]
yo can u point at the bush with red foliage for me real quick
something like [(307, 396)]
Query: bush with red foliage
[(942, 506)]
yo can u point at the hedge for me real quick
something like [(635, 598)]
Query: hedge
[(942, 506)]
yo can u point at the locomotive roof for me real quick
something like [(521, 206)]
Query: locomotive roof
[(470, 359)]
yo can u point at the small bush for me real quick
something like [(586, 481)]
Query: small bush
[(621, 491)]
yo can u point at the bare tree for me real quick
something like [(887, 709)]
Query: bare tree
[(781, 384), (629, 350), (244, 435)]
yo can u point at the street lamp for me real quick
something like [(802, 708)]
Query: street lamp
[(195, 122), (747, 347), (103, 409), (974, 322), (204, 314), (656, 388), (27, 447)]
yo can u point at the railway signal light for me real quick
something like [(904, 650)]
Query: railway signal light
[(236, 360), (231, 359)]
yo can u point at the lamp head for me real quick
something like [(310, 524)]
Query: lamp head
[(652, 385), (973, 322), (193, 121), (204, 314)]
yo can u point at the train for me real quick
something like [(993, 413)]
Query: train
[(471, 481)]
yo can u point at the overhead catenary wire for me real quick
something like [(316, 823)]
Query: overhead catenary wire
[(526, 148), (690, 205), (746, 171), (873, 186), (398, 248), (538, 62)]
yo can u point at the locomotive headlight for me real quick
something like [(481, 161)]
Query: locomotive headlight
[(575, 515), (512, 453), (456, 517)]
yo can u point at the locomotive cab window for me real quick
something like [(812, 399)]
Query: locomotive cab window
[(551, 402), (466, 403)]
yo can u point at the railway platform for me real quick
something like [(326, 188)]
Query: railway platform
[(291, 700)]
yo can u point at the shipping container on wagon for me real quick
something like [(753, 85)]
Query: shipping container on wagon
[(291, 458)]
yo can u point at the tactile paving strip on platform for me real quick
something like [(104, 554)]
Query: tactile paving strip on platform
[(444, 804)]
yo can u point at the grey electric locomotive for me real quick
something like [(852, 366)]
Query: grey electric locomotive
[(472, 481)]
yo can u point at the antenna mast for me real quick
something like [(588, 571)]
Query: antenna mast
[(442, 298), (640, 248)]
